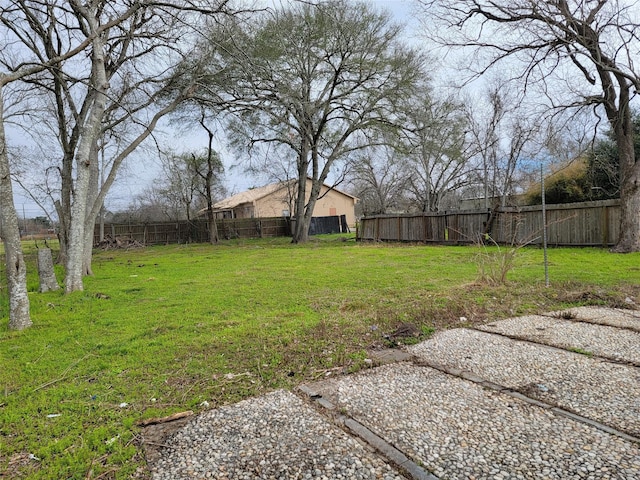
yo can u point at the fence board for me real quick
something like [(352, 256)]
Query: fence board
[(196, 231), (578, 224)]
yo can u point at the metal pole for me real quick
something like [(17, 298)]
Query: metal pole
[(544, 229)]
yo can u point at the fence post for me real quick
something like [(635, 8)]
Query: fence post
[(425, 227), (446, 227), (605, 226)]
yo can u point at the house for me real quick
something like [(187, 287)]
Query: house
[(278, 199)]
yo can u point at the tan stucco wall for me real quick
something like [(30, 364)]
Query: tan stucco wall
[(272, 205), (333, 200), (334, 203)]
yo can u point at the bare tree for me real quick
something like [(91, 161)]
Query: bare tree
[(438, 162), (484, 123), (587, 46), (190, 182), (176, 188), (209, 169), (156, 203), (122, 88), (314, 78), (17, 66), (378, 177), (16, 269), (34, 172), (504, 133)]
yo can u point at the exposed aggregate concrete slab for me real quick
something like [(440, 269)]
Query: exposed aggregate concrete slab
[(458, 430), (275, 436), (606, 392), (602, 340), (616, 317), (454, 428)]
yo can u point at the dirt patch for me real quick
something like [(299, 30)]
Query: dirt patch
[(155, 436), (388, 355), (599, 297), (19, 465), (539, 391)]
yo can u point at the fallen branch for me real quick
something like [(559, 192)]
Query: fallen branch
[(159, 420), (63, 375), (118, 242)]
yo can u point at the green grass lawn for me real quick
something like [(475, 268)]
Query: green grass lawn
[(165, 329)]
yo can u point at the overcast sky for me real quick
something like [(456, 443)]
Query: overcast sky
[(142, 168), (133, 179)]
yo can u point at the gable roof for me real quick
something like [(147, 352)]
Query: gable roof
[(248, 196), (254, 194)]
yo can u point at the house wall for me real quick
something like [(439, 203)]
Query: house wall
[(273, 204), (247, 210), (334, 203)]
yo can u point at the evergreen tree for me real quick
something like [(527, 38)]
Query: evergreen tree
[(603, 174)]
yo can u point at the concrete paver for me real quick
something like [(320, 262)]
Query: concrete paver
[(616, 317), (275, 436), (459, 430), (455, 421), (601, 340), (600, 390)]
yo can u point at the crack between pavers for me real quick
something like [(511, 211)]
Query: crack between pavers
[(524, 339), (556, 409), (393, 455), (595, 322)]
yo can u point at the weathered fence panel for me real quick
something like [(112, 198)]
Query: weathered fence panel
[(323, 225), (579, 224), (196, 231)]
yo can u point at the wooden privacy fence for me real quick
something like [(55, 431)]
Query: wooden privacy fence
[(330, 224), (196, 231), (573, 224)]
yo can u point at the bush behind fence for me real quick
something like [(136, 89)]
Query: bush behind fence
[(574, 224)]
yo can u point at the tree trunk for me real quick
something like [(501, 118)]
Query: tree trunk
[(305, 223), (629, 240), (301, 232), (64, 216), (88, 250), (213, 227), (89, 223), (63, 205), (19, 317), (485, 173), (77, 251), (76, 247), (308, 214), (48, 281), (101, 235)]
